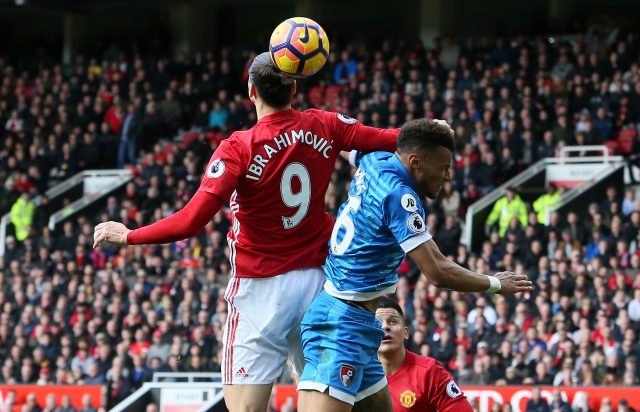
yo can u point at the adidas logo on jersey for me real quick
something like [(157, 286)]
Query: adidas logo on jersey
[(241, 373)]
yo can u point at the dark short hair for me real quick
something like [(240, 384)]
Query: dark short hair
[(425, 135), (272, 85), (386, 302)]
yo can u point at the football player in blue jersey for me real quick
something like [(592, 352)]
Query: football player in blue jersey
[(382, 220)]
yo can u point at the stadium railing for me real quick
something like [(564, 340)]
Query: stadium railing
[(95, 185), (579, 174), (193, 391)]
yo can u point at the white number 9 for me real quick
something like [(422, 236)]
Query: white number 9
[(301, 199)]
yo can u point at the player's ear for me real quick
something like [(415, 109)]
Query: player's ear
[(253, 94), (406, 333), (414, 160), (294, 87)]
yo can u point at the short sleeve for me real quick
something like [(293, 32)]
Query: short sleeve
[(224, 170), (443, 392), (351, 134), (404, 216), (354, 157)]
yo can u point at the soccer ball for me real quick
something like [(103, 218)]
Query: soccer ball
[(299, 47)]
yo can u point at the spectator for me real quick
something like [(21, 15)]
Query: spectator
[(450, 200), (170, 112), (31, 403), (345, 69), (558, 404), (66, 405), (602, 126), (80, 363), (630, 202), (50, 403), (537, 403), (131, 131), (634, 306), (506, 209), (22, 213), (546, 203), (93, 375), (218, 116), (86, 404)]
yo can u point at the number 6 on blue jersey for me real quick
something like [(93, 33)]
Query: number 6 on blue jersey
[(344, 221)]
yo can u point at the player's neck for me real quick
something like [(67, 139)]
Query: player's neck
[(263, 110), (404, 159), (391, 362)]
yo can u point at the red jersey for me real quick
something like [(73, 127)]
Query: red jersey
[(276, 175), (423, 384)]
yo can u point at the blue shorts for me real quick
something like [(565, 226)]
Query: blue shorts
[(340, 345)]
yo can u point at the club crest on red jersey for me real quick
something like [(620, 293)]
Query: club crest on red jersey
[(408, 398), (347, 374)]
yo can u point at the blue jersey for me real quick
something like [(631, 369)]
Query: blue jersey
[(381, 221)]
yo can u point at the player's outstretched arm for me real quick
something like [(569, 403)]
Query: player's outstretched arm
[(444, 273), (353, 135), (185, 223), (371, 139)]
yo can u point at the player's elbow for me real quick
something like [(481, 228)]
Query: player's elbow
[(435, 281), (440, 281)]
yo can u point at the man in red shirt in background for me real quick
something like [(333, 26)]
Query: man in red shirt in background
[(416, 383), (275, 175)]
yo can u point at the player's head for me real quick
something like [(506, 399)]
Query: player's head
[(426, 148), (393, 325), (267, 83)]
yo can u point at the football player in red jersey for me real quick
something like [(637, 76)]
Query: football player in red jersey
[(275, 176), (416, 383)]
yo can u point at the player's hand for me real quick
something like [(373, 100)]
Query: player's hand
[(513, 282), (112, 232)]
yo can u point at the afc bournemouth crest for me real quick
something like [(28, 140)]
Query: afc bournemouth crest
[(408, 398), (347, 373)]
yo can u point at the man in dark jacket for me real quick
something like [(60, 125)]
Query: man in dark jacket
[(131, 129), (537, 403)]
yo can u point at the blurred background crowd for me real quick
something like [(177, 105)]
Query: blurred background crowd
[(71, 314)]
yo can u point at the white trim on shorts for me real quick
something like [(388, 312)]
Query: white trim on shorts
[(375, 388), (341, 395)]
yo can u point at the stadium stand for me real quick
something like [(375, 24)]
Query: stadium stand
[(73, 315)]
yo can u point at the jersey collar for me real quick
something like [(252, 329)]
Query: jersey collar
[(272, 117)]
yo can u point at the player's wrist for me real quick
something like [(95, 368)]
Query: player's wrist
[(127, 239), (494, 284)]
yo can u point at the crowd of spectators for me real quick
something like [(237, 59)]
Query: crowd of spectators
[(74, 315)]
